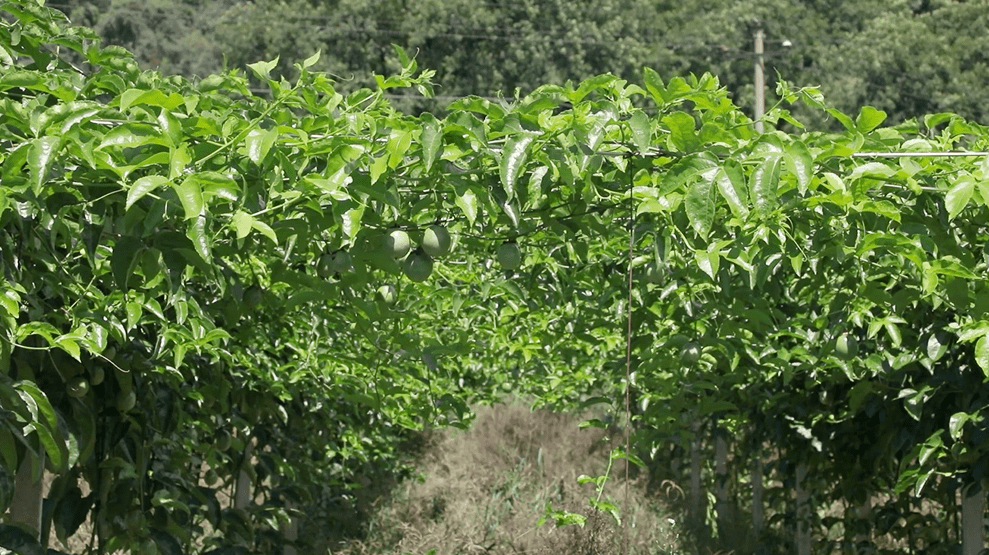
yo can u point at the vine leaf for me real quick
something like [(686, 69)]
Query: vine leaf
[(431, 139), (699, 203), (40, 158), (142, 187), (764, 184), (958, 196), (513, 158), (191, 196)]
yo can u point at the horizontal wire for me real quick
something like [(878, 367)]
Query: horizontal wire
[(927, 154)]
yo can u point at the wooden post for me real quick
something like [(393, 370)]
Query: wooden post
[(973, 519), (757, 514), (721, 481), (696, 512), (25, 508), (290, 531), (242, 494), (803, 538)]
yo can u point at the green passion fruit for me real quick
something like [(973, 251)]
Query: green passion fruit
[(126, 401), (436, 241), (846, 347), (397, 243), (418, 267), (690, 353), (78, 387), (509, 256)]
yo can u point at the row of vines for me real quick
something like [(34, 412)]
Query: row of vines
[(208, 293)]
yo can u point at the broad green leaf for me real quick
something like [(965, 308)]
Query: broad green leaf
[(708, 262), (982, 354), (800, 163), (263, 69), (46, 425), (398, 144), (258, 143), (40, 158), (131, 135), (764, 183), (352, 222), (655, 86), (191, 196), (641, 131), (311, 60), (265, 229), (956, 424), (431, 139), (868, 119), (513, 159), (467, 202), (682, 135), (153, 97), (242, 223), (196, 233), (958, 196), (731, 185), (699, 203), (142, 187), (124, 259)]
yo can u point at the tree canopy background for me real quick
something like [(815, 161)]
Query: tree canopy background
[(907, 57)]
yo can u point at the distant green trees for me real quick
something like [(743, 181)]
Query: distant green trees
[(907, 57)]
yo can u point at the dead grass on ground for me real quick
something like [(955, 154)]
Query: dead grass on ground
[(483, 491)]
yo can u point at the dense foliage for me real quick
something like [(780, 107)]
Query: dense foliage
[(907, 58), (187, 265)]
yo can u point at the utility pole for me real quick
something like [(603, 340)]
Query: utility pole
[(760, 82)]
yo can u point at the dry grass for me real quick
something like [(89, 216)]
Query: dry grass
[(483, 491)]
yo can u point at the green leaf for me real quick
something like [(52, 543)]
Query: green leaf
[(431, 139), (982, 354), (641, 131), (196, 233), (258, 143), (513, 159), (764, 183), (263, 69), (467, 202), (191, 196), (708, 262), (731, 185), (868, 119), (311, 60), (956, 424), (243, 223), (142, 187), (799, 163), (398, 144), (132, 135), (46, 429), (681, 126), (352, 222), (958, 196), (40, 158), (124, 259), (699, 203), (655, 86)]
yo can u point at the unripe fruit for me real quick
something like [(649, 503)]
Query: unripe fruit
[(509, 256), (690, 353), (78, 387), (418, 267), (846, 347), (96, 376), (252, 297), (222, 441), (387, 294), (342, 262), (126, 401), (210, 477), (436, 241), (324, 266), (397, 243), (654, 274)]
